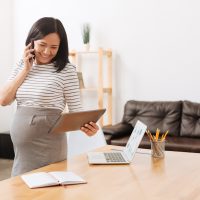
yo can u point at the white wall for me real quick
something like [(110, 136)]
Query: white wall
[(156, 44), (6, 56)]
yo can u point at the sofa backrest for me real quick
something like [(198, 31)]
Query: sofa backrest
[(165, 115), (190, 125)]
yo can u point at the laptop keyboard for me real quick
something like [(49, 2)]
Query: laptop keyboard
[(114, 157)]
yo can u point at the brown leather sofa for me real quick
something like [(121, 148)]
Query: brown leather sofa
[(181, 118)]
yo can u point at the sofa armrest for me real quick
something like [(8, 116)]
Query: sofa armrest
[(117, 130)]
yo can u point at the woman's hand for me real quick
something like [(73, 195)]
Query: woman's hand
[(8, 91), (90, 129), (28, 56)]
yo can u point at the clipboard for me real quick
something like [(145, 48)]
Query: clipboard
[(75, 120)]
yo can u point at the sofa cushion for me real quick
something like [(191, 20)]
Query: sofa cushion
[(120, 141), (190, 125), (117, 130), (185, 144), (165, 115)]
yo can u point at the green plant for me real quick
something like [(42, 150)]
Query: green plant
[(86, 33)]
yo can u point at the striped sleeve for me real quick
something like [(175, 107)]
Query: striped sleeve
[(16, 70), (71, 89)]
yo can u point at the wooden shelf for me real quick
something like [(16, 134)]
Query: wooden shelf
[(100, 89), (74, 52), (106, 90)]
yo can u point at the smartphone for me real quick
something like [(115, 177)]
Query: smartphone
[(32, 47)]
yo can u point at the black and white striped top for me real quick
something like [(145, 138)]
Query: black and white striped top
[(45, 88)]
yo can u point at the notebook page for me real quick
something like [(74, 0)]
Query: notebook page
[(40, 179), (67, 177)]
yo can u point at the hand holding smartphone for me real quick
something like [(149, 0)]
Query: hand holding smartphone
[(29, 55)]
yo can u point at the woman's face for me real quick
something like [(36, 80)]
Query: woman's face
[(46, 48)]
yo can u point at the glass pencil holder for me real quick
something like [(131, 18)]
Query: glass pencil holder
[(158, 149)]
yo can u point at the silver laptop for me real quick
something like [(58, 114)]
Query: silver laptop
[(122, 157)]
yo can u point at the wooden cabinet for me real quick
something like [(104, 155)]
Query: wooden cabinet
[(104, 71)]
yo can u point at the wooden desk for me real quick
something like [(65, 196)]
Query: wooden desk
[(175, 177)]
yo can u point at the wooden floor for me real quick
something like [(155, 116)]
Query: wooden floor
[(5, 168)]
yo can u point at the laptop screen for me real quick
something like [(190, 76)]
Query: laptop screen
[(134, 140)]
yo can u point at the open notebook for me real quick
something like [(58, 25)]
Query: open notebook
[(45, 179), (124, 157)]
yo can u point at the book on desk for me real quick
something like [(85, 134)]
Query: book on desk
[(45, 179)]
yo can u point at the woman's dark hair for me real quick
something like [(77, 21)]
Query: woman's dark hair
[(45, 26)]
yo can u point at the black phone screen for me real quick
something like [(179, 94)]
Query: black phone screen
[(32, 47)]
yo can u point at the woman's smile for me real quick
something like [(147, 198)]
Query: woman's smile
[(46, 49)]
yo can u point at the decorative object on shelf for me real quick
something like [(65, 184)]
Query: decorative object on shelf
[(86, 36), (80, 78)]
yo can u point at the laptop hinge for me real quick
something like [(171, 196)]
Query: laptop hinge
[(124, 155)]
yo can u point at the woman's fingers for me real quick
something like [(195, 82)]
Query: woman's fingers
[(28, 55), (28, 46), (90, 128), (94, 125), (87, 131), (28, 51)]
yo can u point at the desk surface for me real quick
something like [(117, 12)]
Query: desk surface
[(175, 177)]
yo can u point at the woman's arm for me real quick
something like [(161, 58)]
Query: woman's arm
[(8, 91)]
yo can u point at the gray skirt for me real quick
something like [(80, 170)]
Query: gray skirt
[(34, 146)]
